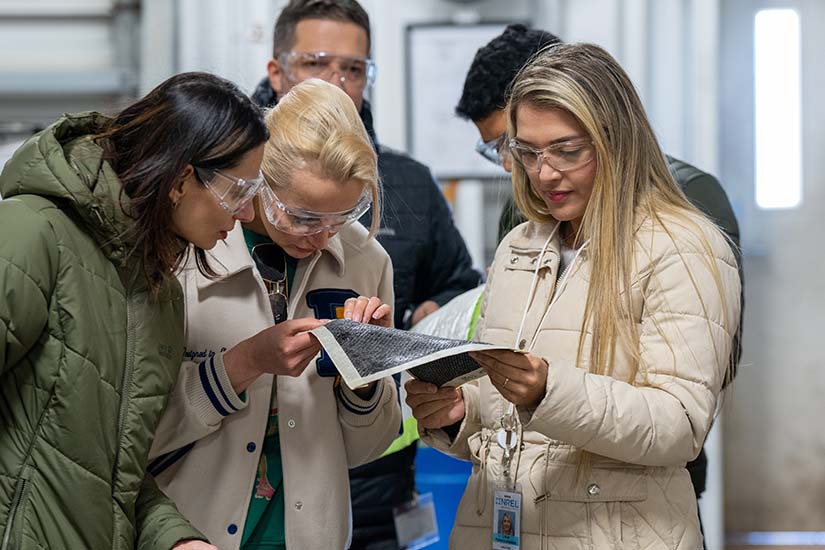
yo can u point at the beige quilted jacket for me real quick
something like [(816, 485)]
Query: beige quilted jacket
[(637, 493)]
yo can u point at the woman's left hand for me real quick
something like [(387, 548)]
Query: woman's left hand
[(521, 378), (368, 310)]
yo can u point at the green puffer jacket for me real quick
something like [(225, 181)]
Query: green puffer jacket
[(86, 359)]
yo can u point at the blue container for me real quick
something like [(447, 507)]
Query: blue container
[(444, 477)]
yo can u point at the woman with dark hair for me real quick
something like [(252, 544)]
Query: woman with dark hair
[(97, 216)]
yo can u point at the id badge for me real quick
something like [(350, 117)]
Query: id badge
[(415, 524), (507, 520)]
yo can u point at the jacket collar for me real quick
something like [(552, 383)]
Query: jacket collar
[(231, 256), (530, 237)]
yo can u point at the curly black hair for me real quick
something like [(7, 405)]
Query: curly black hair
[(494, 67)]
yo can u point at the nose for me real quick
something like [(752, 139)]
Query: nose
[(319, 240), (245, 214), (336, 78), (507, 163), (547, 172)]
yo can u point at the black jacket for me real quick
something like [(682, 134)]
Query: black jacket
[(429, 258)]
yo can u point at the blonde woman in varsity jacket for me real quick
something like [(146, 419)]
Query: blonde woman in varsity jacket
[(256, 443)]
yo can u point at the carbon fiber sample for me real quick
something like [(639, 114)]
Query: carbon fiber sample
[(363, 353)]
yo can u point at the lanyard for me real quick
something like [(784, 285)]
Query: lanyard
[(508, 421)]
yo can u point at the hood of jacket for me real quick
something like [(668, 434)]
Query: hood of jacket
[(266, 97), (65, 165)]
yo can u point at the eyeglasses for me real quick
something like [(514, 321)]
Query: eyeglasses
[(358, 72), (494, 150), (561, 157), (297, 221), (270, 260), (232, 193)]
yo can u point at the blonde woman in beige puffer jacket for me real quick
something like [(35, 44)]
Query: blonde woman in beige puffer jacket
[(622, 300)]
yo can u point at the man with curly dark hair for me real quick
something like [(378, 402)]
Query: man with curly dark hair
[(494, 68), (485, 95), (483, 101)]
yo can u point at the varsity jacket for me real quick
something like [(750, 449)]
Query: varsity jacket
[(207, 447)]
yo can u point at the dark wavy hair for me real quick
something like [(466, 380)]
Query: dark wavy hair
[(195, 119), (494, 67), (344, 11)]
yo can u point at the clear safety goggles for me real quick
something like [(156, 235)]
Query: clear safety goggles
[(358, 72), (562, 157), (233, 193), (494, 150), (297, 221)]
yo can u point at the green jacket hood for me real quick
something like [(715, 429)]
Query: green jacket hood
[(64, 164)]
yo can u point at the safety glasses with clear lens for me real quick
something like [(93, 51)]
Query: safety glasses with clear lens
[(297, 221), (356, 71), (562, 157), (493, 150), (232, 193)]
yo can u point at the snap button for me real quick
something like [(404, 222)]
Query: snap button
[(593, 490), (232, 529), (522, 344), (291, 423), (299, 505), (534, 260), (250, 447), (514, 260)]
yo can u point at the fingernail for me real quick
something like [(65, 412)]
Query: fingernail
[(348, 316), (376, 315)]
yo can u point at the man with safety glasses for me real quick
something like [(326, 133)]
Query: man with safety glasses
[(330, 39), (483, 102)]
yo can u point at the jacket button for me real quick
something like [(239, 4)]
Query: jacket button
[(522, 344), (232, 529), (250, 447), (291, 423), (593, 490), (299, 505), (514, 260), (533, 261)]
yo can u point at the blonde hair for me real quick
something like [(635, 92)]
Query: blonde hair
[(632, 183), (316, 127)]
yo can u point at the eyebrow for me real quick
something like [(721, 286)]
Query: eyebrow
[(554, 142)]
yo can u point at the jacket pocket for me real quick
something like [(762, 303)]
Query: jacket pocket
[(14, 527), (594, 508)]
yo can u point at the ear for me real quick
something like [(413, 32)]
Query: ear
[(276, 76), (181, 184)]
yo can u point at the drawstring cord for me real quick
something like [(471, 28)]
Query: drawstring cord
[(543, 527)]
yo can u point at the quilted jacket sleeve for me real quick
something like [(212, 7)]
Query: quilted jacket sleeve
[(28, 271), (159, 524), (686, 332), (370, 425)]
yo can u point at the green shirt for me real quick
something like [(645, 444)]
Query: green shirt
[(264, 527)]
